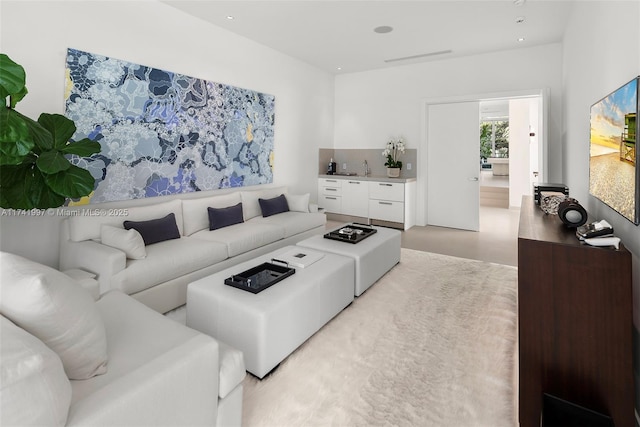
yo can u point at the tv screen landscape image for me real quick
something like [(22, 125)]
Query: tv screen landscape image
[(613, 171)]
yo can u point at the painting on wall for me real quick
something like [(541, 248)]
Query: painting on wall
[(164, 133)]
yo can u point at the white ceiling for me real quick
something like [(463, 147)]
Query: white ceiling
[(338, 33)]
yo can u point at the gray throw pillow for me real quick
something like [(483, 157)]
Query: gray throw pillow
[(155, 230), (274, 206), (224, 217)]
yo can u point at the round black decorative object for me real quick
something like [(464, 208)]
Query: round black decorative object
[(572, 213)]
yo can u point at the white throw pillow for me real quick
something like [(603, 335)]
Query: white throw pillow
[(35, 389), (298, 202), (50, 305), (128, 241)]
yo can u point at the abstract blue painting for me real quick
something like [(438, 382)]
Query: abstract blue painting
[(165, 133)]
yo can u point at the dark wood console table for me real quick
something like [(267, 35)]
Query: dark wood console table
[(574, 320)]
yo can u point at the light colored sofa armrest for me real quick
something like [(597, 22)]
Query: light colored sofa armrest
[(102, 260), (180, 387), (313, 208)]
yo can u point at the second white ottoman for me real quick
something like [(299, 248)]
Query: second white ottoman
[(374, 256)]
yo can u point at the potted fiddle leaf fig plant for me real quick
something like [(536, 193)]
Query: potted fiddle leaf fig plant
[(35, 172)]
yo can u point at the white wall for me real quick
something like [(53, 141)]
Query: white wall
[(37, 34), (371, 106), (601, 53)]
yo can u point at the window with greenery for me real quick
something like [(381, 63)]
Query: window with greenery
[(494, 138)]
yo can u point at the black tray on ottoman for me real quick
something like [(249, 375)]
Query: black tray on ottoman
[(351, 233), (259, 278)]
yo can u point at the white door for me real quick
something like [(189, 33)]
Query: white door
[(453, 165)]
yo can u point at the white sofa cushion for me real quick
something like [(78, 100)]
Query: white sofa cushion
[(293, 222), (232, 370), (35, 390), (160, 372), (85, 227), (250, 204), (241, 238), (194, 211), (298, 202), (128, 241), (168, 260), (53, 307)]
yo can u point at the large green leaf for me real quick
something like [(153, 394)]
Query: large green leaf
[(13, 192), (23, 187), (60, 127), (43, 196), (41, 136), (15, 98), (73, 183), (53, 161), (83, 148), (9, 159), (12, 126), (12, 78)]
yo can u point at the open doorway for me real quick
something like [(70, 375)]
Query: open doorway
[(494, 153), (509, 149), (527, 153)]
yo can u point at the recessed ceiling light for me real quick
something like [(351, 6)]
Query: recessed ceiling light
[(519, 19), (519, 2), (230, 18), (383, 29), (339, 68), (520, 39)]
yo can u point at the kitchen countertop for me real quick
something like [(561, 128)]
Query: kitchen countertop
[(378, 178)]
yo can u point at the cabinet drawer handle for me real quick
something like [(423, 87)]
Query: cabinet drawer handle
[(385, 203), (332, 198), (330, 180), (386, 185), (331, 189), (354, 182)]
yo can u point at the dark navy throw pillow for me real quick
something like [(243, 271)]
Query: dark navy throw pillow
[(274, 206), (155, 230), (224, 217)]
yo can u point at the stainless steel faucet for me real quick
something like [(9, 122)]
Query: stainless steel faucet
[(366, 168)]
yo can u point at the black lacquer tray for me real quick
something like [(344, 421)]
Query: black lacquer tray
[(259, 278), (351, 233)]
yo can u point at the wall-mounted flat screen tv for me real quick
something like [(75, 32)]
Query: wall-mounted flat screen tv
[(614, 177)]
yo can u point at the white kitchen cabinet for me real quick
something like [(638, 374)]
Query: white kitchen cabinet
[(330, 195), (386, 201), (386, 210), (386, 191), (374, 200), (355, 198)]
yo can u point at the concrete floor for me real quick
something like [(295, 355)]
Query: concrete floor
[(497, 240)]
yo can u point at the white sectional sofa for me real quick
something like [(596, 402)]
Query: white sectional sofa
[(70, 360), (160, 278)]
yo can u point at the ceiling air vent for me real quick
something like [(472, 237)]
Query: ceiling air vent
[(424, 55)]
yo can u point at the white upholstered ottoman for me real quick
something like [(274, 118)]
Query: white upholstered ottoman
[(270, 325), (374, 256)]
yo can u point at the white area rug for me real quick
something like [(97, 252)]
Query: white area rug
[(432, 343)]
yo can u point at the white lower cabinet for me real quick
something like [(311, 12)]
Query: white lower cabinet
[(374, 200), (330, 195), (332, 204), (355, 198), (386, 201), (386, 210)]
